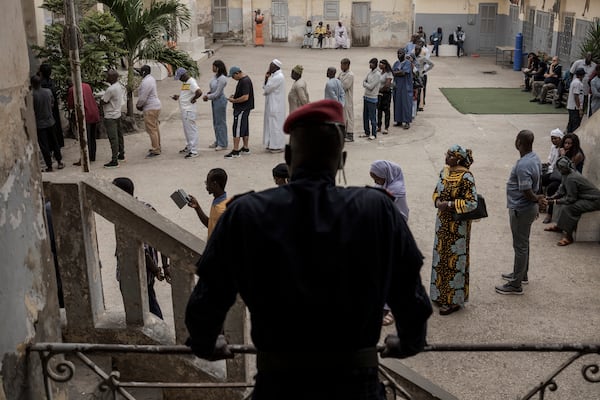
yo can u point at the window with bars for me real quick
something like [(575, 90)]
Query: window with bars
[(331, 10)]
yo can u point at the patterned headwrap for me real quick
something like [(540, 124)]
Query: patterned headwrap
[(464, 155)]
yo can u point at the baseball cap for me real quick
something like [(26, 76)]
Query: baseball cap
[(180, 71), (322, 111), (234, 70)]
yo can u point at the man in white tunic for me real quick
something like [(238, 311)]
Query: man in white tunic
[(274, 91), (347, 79)]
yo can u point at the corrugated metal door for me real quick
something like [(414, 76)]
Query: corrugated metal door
[(540, 32), (220, 18), (279, 21), (528, 31), (565, 37), (487, 27), (360, 27)]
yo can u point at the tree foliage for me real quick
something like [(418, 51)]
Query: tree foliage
[(592, 41), (145, 31), (101, 39), (129, 30)]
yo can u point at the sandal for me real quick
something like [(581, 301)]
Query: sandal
[(447, 310), (388, 319), (564, 242), (553, 229)]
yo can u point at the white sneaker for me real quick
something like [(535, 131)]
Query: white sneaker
[(371, 137), (219, 148)]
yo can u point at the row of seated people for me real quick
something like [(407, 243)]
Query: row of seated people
[(541, 78), (567, 145), (550, 84)]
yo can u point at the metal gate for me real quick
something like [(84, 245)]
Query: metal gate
[(487, 27), (220, 16), (361, 24), (528, 31), (279, 21), (540, 32), (565, 37)]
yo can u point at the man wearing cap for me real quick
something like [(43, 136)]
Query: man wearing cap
[(149, 104), (243, 103), (347, 79), (575, 101), (298, 95), (274, 92), (589, 66), (308, 249), (190, 92)]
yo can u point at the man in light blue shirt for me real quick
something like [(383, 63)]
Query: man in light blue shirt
[(333, 88)]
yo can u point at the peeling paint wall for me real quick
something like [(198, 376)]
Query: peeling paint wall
[(29, 311), (390, 22)]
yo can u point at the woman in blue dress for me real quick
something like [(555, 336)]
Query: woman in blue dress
[(403, 91)]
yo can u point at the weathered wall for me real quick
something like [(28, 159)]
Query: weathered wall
[(29, 311), (391, 21)]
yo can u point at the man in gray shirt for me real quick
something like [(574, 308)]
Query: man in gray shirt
[(522, 202)]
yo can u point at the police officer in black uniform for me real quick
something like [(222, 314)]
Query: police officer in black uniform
[(308, 259)]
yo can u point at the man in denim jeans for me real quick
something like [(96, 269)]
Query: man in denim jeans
[(522, 202)]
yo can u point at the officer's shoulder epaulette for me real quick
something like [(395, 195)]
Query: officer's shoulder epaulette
[(373, 188), (237, 196), (381, 190)]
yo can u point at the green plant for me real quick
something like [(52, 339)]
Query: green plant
[(100, 46), (145, 29), (591, 42)]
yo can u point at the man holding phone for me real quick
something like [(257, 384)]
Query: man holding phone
[(216, 179)]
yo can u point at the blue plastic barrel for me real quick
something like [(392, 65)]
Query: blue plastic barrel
[(518, 56)]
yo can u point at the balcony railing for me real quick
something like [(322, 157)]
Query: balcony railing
[(74, 202), (56, 368)]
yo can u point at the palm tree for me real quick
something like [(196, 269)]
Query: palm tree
[(143, 27)]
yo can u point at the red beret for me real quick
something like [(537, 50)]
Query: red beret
[(315, 113)]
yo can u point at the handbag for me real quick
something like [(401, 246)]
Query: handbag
[(478, 213)]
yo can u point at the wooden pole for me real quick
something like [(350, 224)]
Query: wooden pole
[(73, 41)]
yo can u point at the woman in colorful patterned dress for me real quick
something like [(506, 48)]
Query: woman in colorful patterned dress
[(455, 193)]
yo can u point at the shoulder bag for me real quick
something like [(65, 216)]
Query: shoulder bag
[(478, 213)]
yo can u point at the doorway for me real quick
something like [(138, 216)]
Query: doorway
[(487, 27), (279, 21), (220, 16), (360, 26)]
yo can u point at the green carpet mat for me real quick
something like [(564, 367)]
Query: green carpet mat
[(496, 101)]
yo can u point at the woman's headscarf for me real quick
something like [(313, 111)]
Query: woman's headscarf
[(392, 173), (465, 156)]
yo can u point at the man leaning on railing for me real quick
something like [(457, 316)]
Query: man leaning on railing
[(308, 258)]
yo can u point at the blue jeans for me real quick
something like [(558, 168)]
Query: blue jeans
[(520, 226), (219, 116), (370, 117)]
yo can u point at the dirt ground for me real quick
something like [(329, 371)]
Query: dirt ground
[(561, 302)]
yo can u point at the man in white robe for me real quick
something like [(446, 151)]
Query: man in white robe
[(341, 36), (274, 91)]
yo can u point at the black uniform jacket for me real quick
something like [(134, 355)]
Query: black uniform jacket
[(315, 264)]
